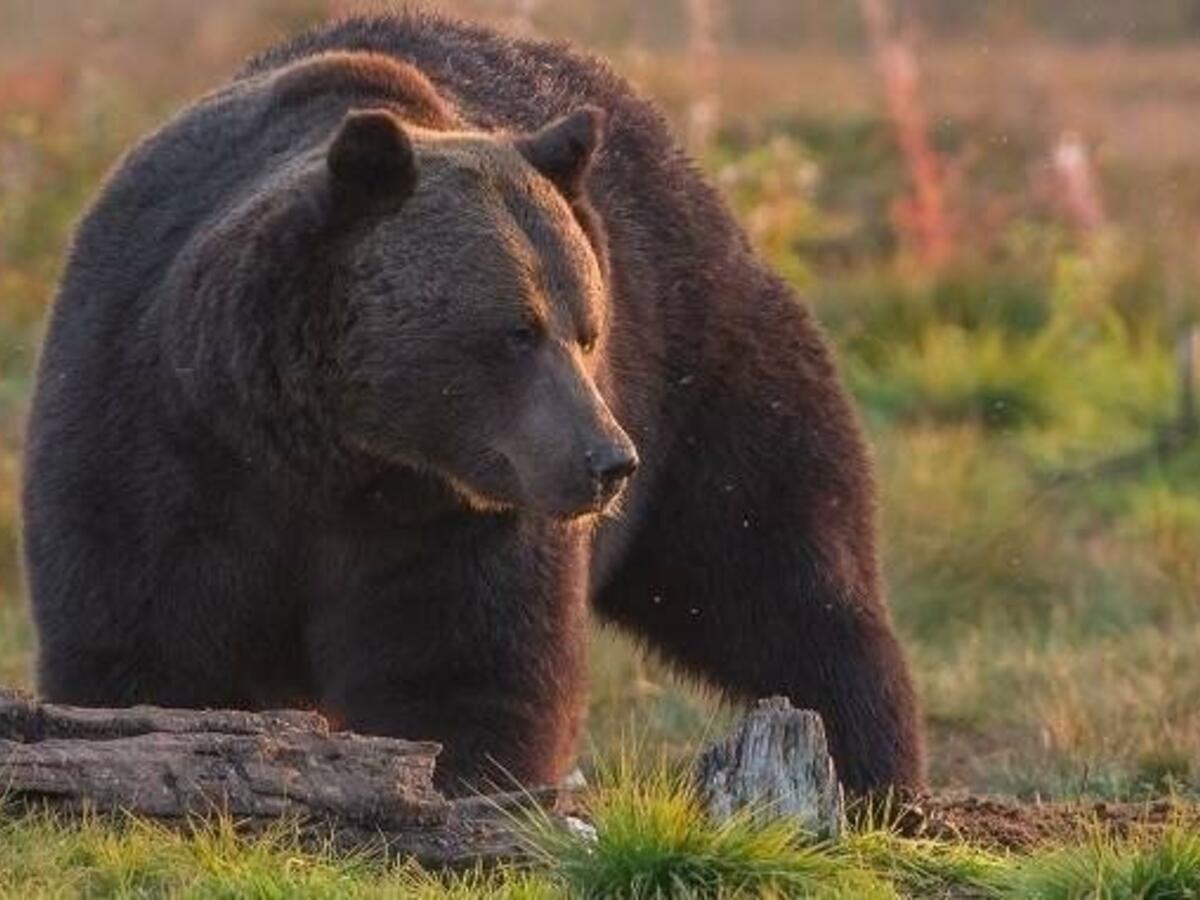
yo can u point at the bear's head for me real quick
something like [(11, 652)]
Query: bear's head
[(476, 313)]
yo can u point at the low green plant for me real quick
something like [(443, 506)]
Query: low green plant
[(920, 868), (1165, 867), (654, 840), (42, 855)]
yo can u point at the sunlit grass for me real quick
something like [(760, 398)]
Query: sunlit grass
[(651, 841), (1111, 716), (42, 855), (1080, 600), (654, 840), (1165, 867), (920, 868)]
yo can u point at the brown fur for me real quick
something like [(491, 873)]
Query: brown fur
[(363, 75), (346, 372)]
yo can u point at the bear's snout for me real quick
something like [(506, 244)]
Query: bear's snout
[(610, 466)]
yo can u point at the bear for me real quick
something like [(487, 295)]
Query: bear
[(373, 373)]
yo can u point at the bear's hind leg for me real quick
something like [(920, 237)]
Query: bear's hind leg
[(751, 561), (817, 644)]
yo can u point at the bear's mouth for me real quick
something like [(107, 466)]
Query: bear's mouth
[(498, 484), (596, 504)]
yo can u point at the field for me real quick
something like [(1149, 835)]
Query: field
[(1041, 511)]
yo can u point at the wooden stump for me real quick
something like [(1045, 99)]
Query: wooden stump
[(775, 765)]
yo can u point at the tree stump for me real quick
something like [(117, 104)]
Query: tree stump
[(178, 765), (775, 765)]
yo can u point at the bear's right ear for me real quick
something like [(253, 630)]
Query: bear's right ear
[(371, 160)]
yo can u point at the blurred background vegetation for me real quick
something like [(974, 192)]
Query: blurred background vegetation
[(994, 206)]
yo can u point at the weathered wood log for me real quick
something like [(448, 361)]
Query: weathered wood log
[(775, 765), (257, 768), (177, 765)]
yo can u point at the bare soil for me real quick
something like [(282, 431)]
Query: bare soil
[(1006, 824)]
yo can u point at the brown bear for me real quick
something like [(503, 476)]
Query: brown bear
[(343, 394)]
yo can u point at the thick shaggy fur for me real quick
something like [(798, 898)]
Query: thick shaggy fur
[(201, 532)]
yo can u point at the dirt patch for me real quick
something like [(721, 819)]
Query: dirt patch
[(1011, 825)]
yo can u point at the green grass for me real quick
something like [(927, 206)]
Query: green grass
[(42, 856), (652, 842), (1166, 867), (922, 868)]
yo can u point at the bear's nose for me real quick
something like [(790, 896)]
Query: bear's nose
[(611, 465)]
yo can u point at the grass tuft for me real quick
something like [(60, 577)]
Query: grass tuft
[(919, 867), (1143, 867), (654, 840)]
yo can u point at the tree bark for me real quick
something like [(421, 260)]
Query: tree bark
[(180, 765), (775, 765)]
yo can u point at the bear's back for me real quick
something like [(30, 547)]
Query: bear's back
[(497, 82)]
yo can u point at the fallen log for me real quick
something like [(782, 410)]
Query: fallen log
[(257, 768)]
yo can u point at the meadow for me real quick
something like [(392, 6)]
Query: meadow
[(1040, 511)]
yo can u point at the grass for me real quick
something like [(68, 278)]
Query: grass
[(652, 841), (1164, 868), (42, 856), (922, 868)]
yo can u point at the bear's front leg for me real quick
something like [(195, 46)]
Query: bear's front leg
[(477, 643), (190, 619)]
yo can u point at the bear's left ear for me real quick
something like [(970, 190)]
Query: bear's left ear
[(371, 160), (562, 151)]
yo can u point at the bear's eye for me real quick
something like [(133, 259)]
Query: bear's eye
[(587, 343), (523, 338)]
